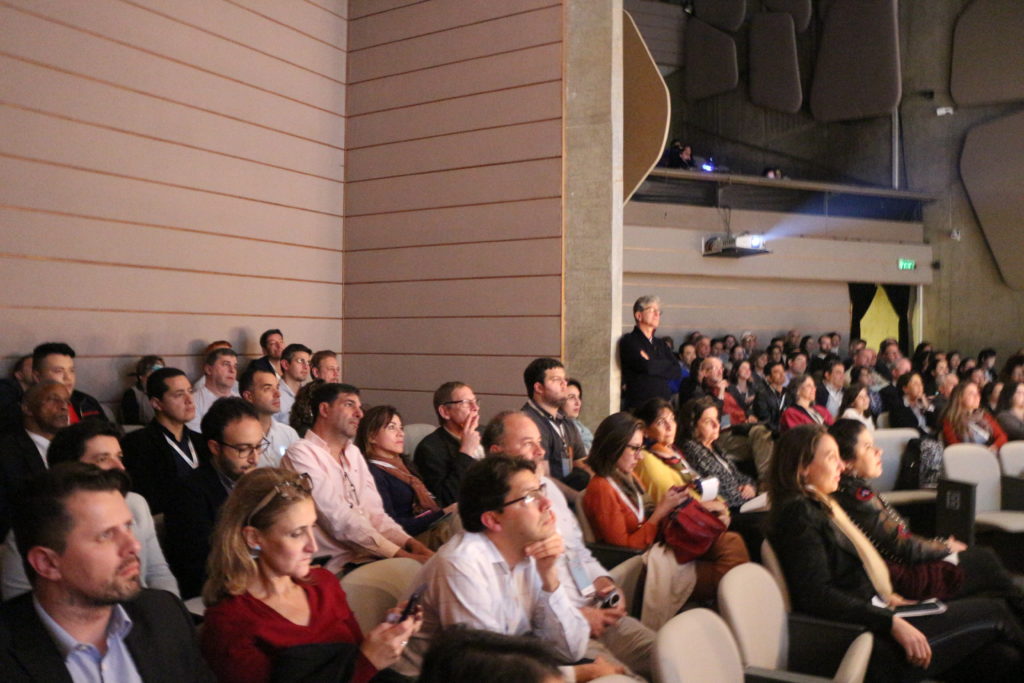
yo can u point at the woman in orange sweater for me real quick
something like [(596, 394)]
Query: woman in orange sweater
[(964, 421), (618, 510)]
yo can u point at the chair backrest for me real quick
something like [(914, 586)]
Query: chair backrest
[(975, 464), (376, 587), (696, 647), (750, 602), (882, 421), (892, 442), (414, 433), (581, 517), (771, 562), (1011, 456), (626, 575)]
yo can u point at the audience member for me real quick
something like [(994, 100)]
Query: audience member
[(265, 600), (987, 362), (56, 361), (234, 438), (773, 399), (546, 395), (965, 421), (135, 408), (742, 392), (1013, 369), (95, 442), (272, 344), (406, 499), (990, 396), (11, 391), (467, 655), (648, 366), (23, 452), (946, 387), (856, 344), (573, 406), (890, 393), (833, 572), (200, 381), (698, 436), (445, 454), (352, 526), (301, 417), (937, 369), (165, 450), (913, 410), (825, 354), (294, 373), (614, 636), (830, 392), (261, 389), (803, 409), (796, 365), (324, 366), (954, 358), (501, 573), (220, 372), (1011, 410), (888, 354), (663, 465), (857, 406), (87, 617)]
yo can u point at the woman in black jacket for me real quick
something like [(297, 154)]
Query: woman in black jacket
[(833, 572)]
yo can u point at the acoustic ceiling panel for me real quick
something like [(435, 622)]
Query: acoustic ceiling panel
[(857, 75), (800, 10), (774, 70), (645, 109), (724, 14), (711, 66), (988, 53), (991, 166)]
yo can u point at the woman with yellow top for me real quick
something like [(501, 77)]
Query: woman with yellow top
[(662, 464)]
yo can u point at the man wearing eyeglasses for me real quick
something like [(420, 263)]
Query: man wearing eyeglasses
[(234, 436), (294, 373), (352, 526), (444, 455), (501, 574)]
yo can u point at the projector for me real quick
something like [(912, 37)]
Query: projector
[(734, 247)]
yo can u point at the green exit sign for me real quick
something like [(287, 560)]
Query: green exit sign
[(907, 264)]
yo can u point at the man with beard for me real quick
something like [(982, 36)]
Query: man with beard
[(547, 389), (87, 618), (261, 389), (352, 527)]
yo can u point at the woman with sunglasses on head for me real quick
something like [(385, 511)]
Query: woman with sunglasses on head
[(616, 506), (834, 571), (264, 598), (965, 421)]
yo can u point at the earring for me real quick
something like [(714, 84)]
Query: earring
[(254, 551)]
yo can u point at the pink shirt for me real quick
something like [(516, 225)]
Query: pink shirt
[(352, 525)]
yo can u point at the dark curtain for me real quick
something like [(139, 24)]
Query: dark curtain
[(899, 296), (861, 296)]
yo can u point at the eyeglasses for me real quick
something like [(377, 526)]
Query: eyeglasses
[(247, 450), (636, 449), (468, 402), (530, 497), (303, 482)]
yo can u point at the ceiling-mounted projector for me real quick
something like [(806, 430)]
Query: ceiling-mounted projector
[(724, 244)]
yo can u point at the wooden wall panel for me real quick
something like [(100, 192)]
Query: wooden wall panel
[(495, 336), (170, 174), (502, 297)]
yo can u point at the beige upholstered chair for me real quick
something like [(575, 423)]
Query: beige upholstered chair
[(751, 604), (893, 442), (414, 433), (1011, 457), (696, 647), (771, 562), (975, 495), (376, 587)]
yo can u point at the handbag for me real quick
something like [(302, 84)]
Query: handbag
[(926, 580), (690, 530), (920, 465)]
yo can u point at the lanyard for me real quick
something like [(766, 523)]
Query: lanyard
[(191, 458)]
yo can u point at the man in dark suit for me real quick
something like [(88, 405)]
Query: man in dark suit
[(165, 450), (648, 365), (830, 390), (23, 452), (90, 619), (444, 455), (272, 344), (12, 389), (56, 361), (234, 437)]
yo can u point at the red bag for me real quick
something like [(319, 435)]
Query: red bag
[(690, 530)]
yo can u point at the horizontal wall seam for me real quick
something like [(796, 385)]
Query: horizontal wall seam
[(449, 279), (454, 132), (198, 231), (139, 266), (230, 40), (162, 98), (451, 169), (452, 317), (142, 311), (456, 61), (452, 206), (179, 186), (443, 30), (173, 60), (287, 26), (329, 11), (453, 244), (168, 141), (389, 9), (453, 97)]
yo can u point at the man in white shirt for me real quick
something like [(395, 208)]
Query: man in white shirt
[(261, 388), (352, 526), (220, 369), (614, 635), (294, 373), (324, 365), (501, 574), (830, 391)]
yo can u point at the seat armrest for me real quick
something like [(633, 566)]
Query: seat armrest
[(755, 674), (954, 510), (1013, 493), (611, 555), (817, 646)]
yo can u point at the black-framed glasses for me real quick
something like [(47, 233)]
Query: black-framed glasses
[(635, 449), (529, 497), (247, 450), (468, 402), (302, 482)]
